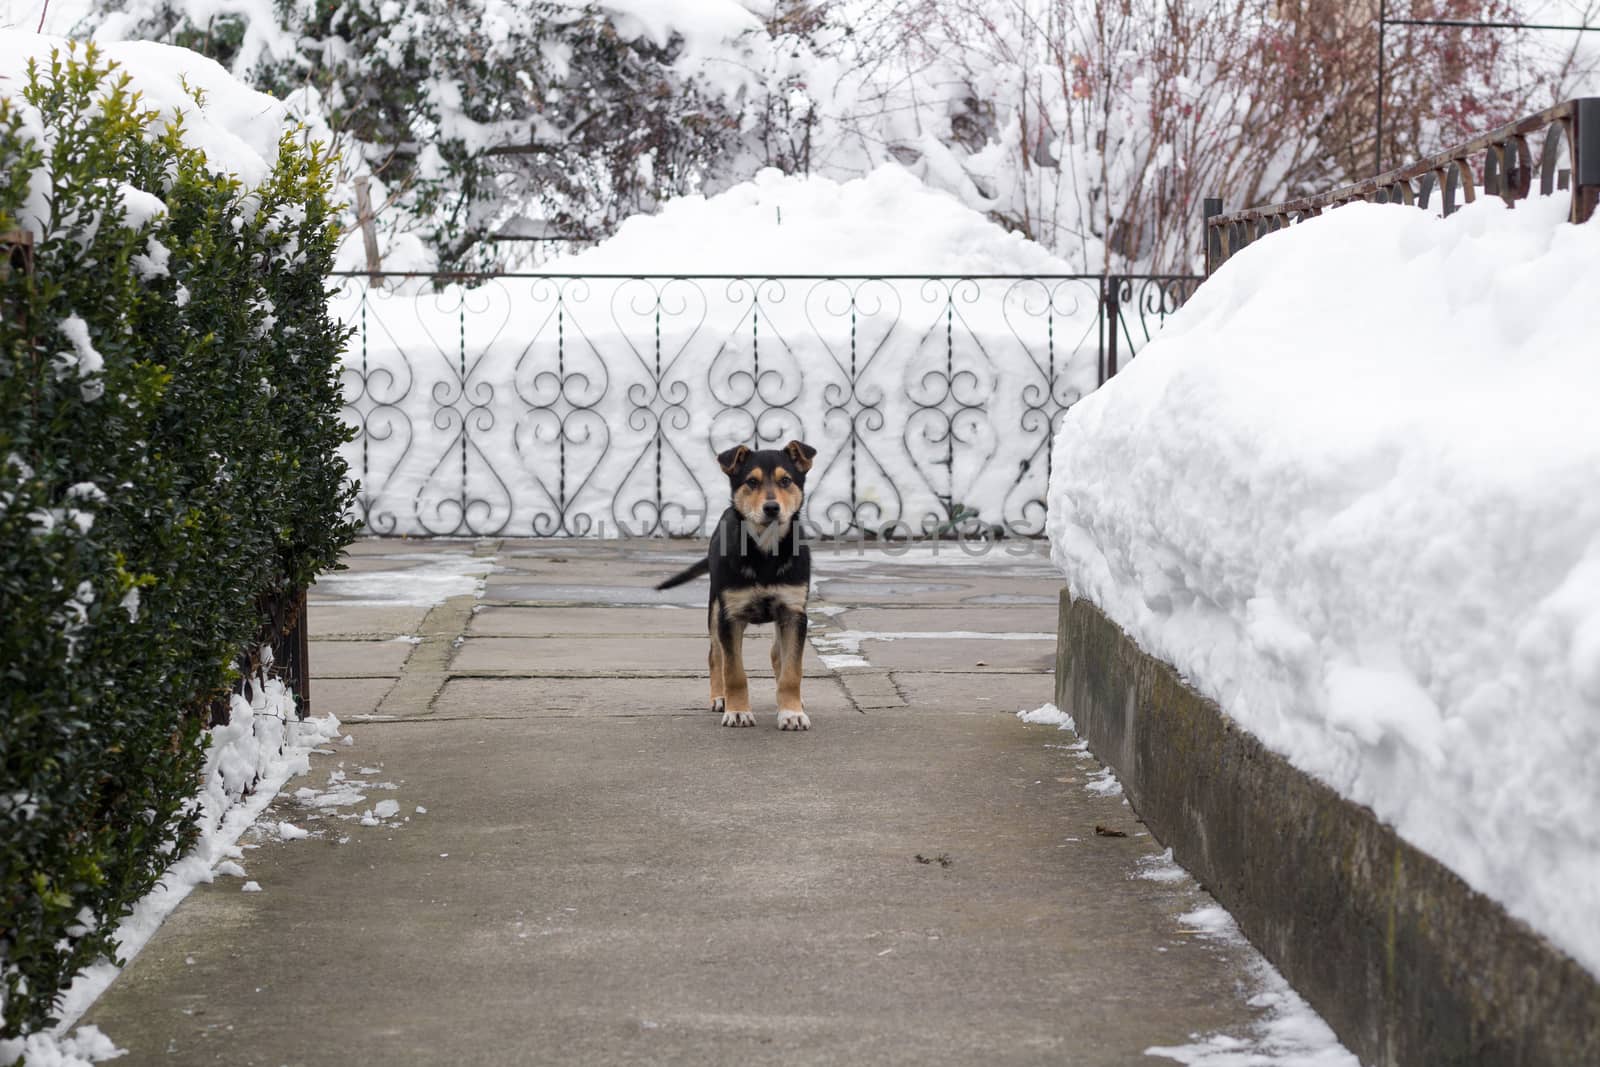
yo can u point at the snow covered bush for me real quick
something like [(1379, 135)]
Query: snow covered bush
[(169, 426)]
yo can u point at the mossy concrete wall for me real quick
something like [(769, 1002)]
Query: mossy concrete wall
[(1408, 964)]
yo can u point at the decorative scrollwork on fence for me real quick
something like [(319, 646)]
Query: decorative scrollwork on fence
[(544, 405)]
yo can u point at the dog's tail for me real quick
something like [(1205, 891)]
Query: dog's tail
[(700, 567)]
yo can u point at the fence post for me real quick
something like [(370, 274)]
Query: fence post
[(1111, 298), (302, 666), (369, 232), (1585, 158), (1211, 242), (17, 246), (291, 646), (16, 255)]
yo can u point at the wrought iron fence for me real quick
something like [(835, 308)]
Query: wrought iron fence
[(1500, 161), (591, 405)]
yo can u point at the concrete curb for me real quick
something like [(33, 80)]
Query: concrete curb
[(1408, 964)]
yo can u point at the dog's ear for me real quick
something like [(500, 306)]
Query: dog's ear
[(801, 453), (729, 461)]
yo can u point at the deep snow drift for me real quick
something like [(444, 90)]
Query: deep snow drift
[(1350, 493), (885, 223)]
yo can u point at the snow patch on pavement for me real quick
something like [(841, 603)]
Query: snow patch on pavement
[(85, 1046), (440, 577), (1048, 715), (1289, 1032)]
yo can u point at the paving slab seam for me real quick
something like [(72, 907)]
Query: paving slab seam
[(426, 670)]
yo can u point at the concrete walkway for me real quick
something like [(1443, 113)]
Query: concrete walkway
[(604, 874)]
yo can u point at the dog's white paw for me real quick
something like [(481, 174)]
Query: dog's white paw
[(793, 720), (718, 705), (738, 718)]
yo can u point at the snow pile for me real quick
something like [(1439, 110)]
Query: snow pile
[(633, 383), (236, 127), (87, 1045), (885, 223), (1047, 715), (1349, 493), (247, 761)]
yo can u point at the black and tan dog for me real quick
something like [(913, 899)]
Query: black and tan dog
[(760, 573)]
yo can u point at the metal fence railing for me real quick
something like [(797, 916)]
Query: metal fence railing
[(1498, 163), (593, 405)]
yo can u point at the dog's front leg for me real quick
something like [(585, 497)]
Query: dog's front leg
[(788, 660), (718, 694), (735, 684)]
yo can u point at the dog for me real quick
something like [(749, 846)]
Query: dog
[(760, 573)]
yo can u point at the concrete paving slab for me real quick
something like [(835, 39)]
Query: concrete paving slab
[(1025, 618), (566, 697), (358, 659), (994, 558), (398, 562), (501, 621), (974, 693), (941, 590), (629, 548), (577, 593), (363, 622), (871, 690), (606, 572), (411, 546), (626, 656), (348, 697), (615, 890), (960, 655)]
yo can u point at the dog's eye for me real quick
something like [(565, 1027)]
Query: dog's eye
[(752, 484), (784, 483)]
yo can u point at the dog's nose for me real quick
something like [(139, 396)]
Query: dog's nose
[(772, 507)]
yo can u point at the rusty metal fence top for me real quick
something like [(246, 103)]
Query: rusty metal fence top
[(1497, 163)]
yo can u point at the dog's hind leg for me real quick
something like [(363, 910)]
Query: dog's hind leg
[(729, 638), (788, 659)]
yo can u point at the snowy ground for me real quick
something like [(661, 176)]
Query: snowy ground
[(1349, 494)]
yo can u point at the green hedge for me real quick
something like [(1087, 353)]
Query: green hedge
[(150, 506)]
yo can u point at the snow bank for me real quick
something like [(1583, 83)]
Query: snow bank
[(885, 223), (1349, 493)]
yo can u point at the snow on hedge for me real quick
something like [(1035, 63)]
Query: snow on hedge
[(236, 127), (405, 380), (1349, 493)]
